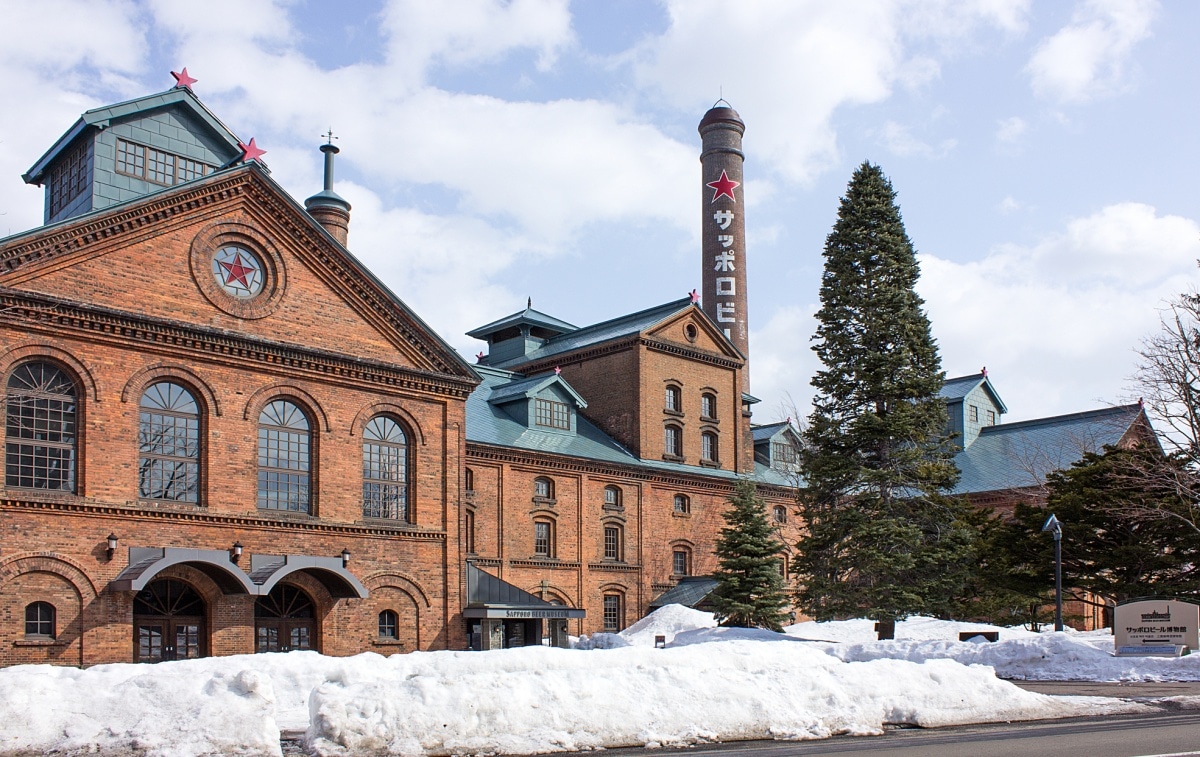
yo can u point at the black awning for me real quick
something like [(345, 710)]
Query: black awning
[(490, 597), (147, 562)]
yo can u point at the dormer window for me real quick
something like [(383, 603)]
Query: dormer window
[(973, 413), (69, 177), (157, 166), (552, 414), (783, 455), (991, 417)]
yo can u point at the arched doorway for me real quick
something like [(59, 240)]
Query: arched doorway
[(168, 622), (284, 620)]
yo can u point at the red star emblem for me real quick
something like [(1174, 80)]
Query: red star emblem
[(695, 296), (237, 271), (183, 80), (723, 186), (251, 151)]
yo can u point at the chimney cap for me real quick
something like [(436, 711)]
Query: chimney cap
[(722, 114)]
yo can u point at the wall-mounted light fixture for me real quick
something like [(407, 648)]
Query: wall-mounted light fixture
[(345, 557), (112, 545), (235, 552)]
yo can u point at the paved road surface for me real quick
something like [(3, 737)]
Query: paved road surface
[(1158, 734)]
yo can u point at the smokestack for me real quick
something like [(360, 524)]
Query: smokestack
[(327, 207), (723, 224)]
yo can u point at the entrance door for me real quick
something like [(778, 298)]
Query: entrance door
[(284, 620), (168, 622)]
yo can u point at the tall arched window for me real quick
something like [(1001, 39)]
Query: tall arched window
[(681, 561), (543, 538), (385, 470), (39, 429), (389, 623), (169, 444), (708, 405), (614, 548), (672, 402), (614, 612), (284, 457), (709, 449), (673, 441)]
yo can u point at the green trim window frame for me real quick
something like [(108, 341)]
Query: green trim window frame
[(157, 166), (69, 177), (551, 414), (783, 455)]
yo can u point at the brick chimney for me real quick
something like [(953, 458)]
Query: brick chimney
[(327, 207), (723, 224)]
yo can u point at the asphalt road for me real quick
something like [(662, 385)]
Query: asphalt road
[(1158, 734)]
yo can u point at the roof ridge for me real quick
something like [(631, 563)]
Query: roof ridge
[(1098, 413), (673, 305)]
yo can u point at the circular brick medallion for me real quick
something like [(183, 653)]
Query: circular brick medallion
[(238, 269)]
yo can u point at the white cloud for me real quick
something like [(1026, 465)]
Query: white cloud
[(900, 141), (1056, 322), (1009, 205), (787, 66), (1089, 58), (1011, 129)]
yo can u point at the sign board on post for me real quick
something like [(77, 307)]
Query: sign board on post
[(1155, 623)]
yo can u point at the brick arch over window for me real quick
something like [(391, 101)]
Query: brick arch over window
[(32, 351), (558, 592), (143, 379), (287, 391), (406, 419), (43, 562), (395, 580)]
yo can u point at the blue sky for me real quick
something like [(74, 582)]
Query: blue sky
[(1044, 154)]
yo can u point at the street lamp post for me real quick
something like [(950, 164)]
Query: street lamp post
[(1054, 526)]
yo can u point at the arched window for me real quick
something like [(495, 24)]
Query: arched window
[(389, 623), (385, 470), (543, 538), (708, 447), (469, 531), (612, 497), (284, 457), (613, 546), (169, 444), (469, 480), (708, 405), (682, 504), (681, 561), (614, 612), (780, 514), (672, 402), (543, 488), (39, 620), (673, 441), (39, 434)]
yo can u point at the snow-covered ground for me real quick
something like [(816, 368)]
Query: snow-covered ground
[(708, 684)]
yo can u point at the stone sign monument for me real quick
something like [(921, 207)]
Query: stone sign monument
[(1141, 625)]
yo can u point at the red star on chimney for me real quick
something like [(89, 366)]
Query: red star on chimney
[(723, 186), (251, 151), (183, 80)]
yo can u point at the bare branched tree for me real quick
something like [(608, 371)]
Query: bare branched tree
[(1168, 374)]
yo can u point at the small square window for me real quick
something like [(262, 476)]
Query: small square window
[(681, 504)]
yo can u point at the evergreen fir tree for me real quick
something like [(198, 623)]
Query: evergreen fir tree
[(882, 540), (750, 590)]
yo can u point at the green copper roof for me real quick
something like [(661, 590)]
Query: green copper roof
[(689, 592), (617, 328), (528, 316), (528, 388), (1016, 455), (958, 388), (102, 118)]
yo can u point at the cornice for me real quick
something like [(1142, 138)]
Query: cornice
[(620, 345), (200, 515), (59, 317), (691, 353), (550, 461)]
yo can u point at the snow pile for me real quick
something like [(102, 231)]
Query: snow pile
[(709, 684), (174, 709), (545, 700)]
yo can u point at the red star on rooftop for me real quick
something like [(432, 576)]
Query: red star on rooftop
[(723, 186), (237, 271), (695, 296), (183, 80), (251, 151)]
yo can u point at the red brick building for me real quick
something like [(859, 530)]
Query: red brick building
[(224, 435)]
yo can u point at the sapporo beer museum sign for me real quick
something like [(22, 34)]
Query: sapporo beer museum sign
[(1156, 623)]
